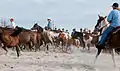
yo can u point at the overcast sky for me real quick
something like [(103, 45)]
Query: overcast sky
[(64, 13)]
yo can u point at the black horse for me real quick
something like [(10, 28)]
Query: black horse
[(37, 27), (79, 35)]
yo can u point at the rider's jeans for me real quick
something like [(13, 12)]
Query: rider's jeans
[(105, 34)]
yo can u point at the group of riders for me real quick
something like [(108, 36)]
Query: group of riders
[(113, 19)]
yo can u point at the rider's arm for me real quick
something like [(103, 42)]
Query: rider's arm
[(110, 16)]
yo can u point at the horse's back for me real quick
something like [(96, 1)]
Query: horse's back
[(113, 39)]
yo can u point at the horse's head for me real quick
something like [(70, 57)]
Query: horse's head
[(19, 28), (37, 27), (101, 23)]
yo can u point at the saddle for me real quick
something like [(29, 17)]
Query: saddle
[(116, 30)]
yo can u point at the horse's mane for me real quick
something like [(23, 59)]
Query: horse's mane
[(24, 29), (17, 32), (38, 28)]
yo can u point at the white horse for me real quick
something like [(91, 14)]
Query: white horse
[(87, 40)]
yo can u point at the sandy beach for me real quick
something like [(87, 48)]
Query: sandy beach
[(54, 61)]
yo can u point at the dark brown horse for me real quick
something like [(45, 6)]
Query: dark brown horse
[(10, 39), (79, 36), (112, 41), (39, 35)]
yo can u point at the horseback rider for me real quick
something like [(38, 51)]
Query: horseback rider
[(114, 20), (63, 30), (81, 30), (73, 32), (12, 24), (66, 31), (49, 25)]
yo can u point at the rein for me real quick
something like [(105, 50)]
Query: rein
[(103, 26)]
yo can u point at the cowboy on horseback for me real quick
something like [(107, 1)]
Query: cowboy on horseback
[(114, 20), (12, 24), (49, 25), (72, 34)]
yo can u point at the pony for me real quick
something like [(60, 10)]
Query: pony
[(112, 41), (11, 39)]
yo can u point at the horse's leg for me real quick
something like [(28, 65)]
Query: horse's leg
[(98, 53), (83, 43), (20, 46), (36, 47), (13, 48), (88, 45), (64, 47), (4, 47), (31, 44), (26, 47), (17, 50), (113, 57), (39, 44), (47, 47)]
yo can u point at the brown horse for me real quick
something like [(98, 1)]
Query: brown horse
[(10, 39), (28, 38), (112, 41), (62, 38), (65, 41), (39, 35)]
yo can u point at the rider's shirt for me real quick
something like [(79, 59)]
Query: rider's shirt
[(49, 25), (12, 25), (114, 17)]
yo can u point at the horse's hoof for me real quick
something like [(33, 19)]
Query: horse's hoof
[(18, 56)]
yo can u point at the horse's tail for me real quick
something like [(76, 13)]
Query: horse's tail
[(17, 31)]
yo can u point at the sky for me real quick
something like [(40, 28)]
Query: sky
[(66, 14)]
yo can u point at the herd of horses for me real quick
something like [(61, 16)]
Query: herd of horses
[(34, 38)]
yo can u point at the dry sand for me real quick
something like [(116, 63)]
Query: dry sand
[(52, 61)]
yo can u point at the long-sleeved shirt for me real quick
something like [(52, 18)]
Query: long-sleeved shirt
[(12, 25), (114, 18)]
